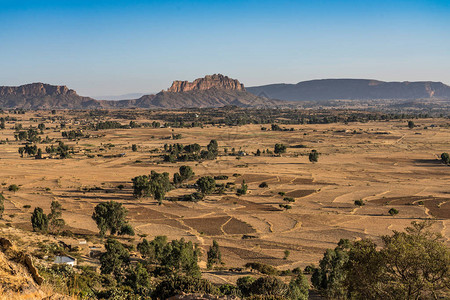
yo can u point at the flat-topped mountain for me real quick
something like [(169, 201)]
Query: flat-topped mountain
[(218, 90), (353, 89), (43, 96), (217, 81), (211, 91)]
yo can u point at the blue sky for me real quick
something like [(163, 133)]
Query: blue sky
[(117, 47)]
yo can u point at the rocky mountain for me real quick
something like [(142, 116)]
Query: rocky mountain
[(43, 96), (353, 89), (217, 81), (211, 91)]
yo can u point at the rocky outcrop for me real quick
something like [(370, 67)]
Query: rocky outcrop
[(217, 81), (211, 91), (44, 96), (36, 89)]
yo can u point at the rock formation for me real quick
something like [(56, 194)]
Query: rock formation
[(217, 81), (36, 89)]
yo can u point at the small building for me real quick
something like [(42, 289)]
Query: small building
[(65, 260)]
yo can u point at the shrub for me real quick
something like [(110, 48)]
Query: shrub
[(263, 185), (314, 156), (359, 202), (279, 149), (393, 211), (13, 188), (445, 157)]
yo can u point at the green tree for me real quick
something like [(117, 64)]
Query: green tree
[(243, 189), (299, 288), (244, 284), (111, 216), (414, 264), (39, 220), (213, 149), (214, 256), (270, 286), (186, 173), (13, 188), (134, 148), (330, 277), (411, 124), (417, 263), (39, 154), (156, 185), (41, 127), (141, 186), (314, 156), (206, 185), (56, 223), (279, 149), (181, 256), (154, 250), (445, 157), (138, 279), (393, 211), (115, 259)]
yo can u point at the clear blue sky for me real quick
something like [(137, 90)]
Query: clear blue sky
[(115, 47)]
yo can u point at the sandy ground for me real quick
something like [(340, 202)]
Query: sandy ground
[(398, 169)]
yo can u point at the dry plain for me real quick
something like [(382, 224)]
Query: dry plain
[(384, 163)]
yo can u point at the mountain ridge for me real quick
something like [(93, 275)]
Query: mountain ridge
[(352, 89), (218, 90)]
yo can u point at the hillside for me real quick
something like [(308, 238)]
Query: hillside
[(352, 89), (44, 96)]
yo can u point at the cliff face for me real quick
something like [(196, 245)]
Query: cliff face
[(44, 96), (217, 81), (36, 89)]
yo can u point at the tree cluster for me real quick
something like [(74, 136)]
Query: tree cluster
[(155, 185), (410, 265)]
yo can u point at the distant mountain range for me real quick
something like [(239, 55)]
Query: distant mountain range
[(218, 90), (352, 89), (121, 97)]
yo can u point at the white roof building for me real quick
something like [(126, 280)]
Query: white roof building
[(66, 260)]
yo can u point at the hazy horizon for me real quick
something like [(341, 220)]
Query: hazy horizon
[(123, 47)]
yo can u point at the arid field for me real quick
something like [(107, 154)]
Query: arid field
[(383, 163)]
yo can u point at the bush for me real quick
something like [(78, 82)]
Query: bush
[(279, 149), (179, 284), (269, 286), (314, 156), (289, 199), (13, 188), (206, 185), (393, 211), (359, 202), (263, 185), (262, 268), (445, 157)]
